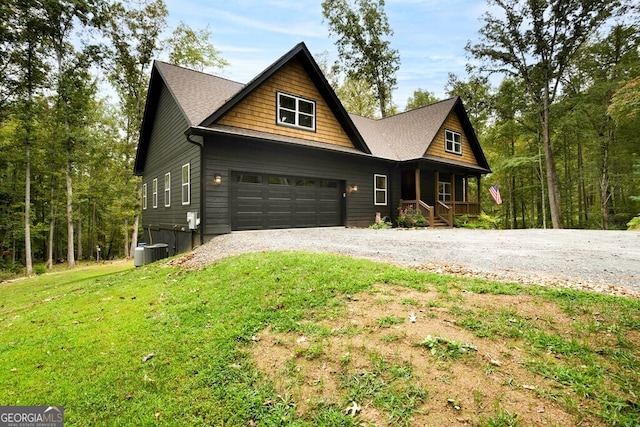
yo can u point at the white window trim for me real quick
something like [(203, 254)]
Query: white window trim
[(296, 112), (449, 135), (376, 190), (167, 190), (144, 197), (155, 193), (186, 184), (444, 190)]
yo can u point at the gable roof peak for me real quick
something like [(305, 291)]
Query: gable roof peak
[(452, 101), (164, 65), (301, 53)]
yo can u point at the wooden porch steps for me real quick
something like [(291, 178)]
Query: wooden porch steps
[(440, 223)]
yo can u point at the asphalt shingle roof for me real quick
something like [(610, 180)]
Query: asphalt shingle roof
[(405, 136), (198, 94)]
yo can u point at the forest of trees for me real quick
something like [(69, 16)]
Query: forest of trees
[(561, 131)]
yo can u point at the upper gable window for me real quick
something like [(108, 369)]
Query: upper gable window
[(296, 112), (452, 142)]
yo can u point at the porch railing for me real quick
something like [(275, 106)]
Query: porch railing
[(466, 208), (419, 205), (444, 212), (441, 210)]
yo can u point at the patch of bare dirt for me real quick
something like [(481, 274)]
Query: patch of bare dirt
[(461, 391)]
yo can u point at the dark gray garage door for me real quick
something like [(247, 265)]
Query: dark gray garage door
[(260, 201)]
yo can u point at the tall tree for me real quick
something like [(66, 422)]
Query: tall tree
[(608, 63), (420, 98), (193, 49), (361, 27), (476, 95), (135, 39), (356, 95), (625, 103), (27, 72), (536, 40), (61, 18)]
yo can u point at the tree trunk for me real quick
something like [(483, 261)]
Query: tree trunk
[(553, 187), (27, 209), (79, 256), (605, 188), (134, 235), (52, 227), (71, 261), (583, 214), (126, 238), (27, 180), (136, 221), (543, 196)]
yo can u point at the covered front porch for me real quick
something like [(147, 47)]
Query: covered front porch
[(441, 194)]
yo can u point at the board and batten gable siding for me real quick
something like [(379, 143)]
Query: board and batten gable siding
[(258, 110), (168, 151), (437, 147), (224, 155)]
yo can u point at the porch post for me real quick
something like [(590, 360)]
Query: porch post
[(453, 199), (466, 189), (478, 177), (437, 179), (453, 189), (417, 178)]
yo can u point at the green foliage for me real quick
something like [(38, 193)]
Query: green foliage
[(382, 225), (410, 217), (483, 221), (388, 321), (357, 97), (502, 419), (445, 348), (521, 40), (192, 49), (420, 98), (634, 224), (361, 44), (477, 97), (111, 341)]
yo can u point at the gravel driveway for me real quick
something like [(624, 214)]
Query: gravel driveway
[(605, 261)]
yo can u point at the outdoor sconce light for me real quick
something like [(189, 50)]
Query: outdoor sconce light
[(352, 188), (217, 179)]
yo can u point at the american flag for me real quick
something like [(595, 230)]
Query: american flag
[(495, 193)]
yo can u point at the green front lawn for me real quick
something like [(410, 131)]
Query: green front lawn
[(159, 345)]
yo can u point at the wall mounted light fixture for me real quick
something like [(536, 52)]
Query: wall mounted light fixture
[(352, 188), (217, 179)]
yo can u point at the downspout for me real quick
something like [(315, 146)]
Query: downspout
[(202, 183)]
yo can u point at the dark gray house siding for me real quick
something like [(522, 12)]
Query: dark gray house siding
[(169, 152), (224, 129), (224, 155)]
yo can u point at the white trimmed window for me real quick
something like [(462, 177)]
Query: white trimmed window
[(452, 142), (144, 197), (167, 189), (444, 191), (186, 184), (380, 189), (296, 112), (155, 192)]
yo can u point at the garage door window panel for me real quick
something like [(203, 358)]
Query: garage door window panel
[(250, 179)]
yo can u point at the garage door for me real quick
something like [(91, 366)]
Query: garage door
[(261, 201)]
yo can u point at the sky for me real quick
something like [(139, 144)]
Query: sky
[(430, 36)]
